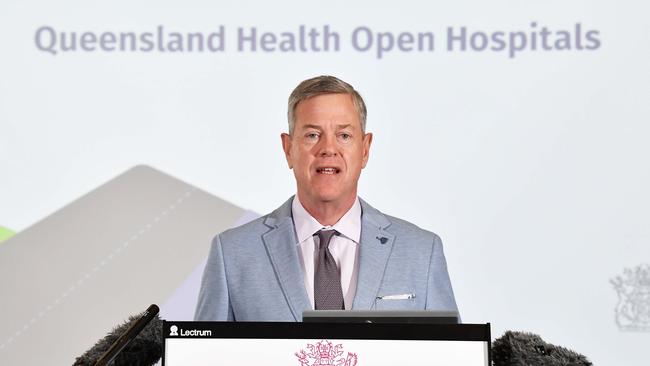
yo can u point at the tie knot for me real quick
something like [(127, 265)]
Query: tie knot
[(325, 236)]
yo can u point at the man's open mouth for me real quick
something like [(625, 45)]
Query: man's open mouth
[(328, 170)]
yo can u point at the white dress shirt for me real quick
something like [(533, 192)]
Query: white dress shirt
[(344, 247)]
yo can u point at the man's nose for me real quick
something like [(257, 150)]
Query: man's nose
[(327, 146)]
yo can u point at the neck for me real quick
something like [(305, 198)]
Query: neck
[(327, 213)]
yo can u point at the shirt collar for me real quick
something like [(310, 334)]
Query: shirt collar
[(306, 225)]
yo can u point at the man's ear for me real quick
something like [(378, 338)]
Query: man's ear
[(286, 146), (367, 141)]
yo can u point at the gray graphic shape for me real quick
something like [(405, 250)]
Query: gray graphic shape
[(182, 303), (70, 278)]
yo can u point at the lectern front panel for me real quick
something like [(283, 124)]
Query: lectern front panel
[(310, 344)]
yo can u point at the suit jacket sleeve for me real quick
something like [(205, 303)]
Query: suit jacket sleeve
[(440, 295), (214, 300)]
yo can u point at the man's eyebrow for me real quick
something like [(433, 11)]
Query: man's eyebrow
[(320, 128), (311, 126)]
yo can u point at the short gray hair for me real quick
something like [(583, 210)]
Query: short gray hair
[(320, 85)]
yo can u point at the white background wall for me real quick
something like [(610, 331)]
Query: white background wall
[(533, 169)]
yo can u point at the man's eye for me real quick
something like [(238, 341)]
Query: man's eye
[(346, 136), (312, 136)]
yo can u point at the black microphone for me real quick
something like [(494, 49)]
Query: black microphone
[(523, 349), (137, 342)]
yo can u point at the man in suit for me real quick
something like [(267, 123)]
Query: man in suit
[(324, 248)]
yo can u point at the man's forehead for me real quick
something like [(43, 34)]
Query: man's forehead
[(327, 110)]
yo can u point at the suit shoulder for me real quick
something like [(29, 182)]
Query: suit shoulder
[(245, 232), (250, 234), (397, 226), (403, 227)]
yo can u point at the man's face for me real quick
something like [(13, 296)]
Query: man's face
[(327, 149)]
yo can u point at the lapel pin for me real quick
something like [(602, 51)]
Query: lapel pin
[(382, 240)]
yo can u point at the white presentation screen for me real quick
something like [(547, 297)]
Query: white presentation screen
[(517, 131)]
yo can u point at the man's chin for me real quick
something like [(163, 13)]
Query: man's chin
[(324, 195), (328, 194)]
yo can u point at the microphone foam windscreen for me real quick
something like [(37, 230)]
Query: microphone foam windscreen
[(524, 349), (144, 350)]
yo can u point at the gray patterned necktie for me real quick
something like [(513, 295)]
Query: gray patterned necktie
[(328, 294)]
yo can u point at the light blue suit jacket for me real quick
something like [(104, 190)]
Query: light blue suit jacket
[(253, 271)]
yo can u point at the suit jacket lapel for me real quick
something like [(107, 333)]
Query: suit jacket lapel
[(280, 243), (375, 248)]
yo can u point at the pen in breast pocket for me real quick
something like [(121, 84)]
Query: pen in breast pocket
[(396, 297)]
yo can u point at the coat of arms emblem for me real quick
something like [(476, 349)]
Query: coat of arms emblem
[(324, 353), (633, 307)]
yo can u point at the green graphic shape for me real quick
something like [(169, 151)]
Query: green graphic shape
[(5, 234)]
